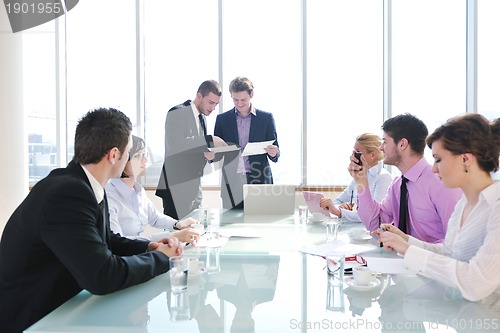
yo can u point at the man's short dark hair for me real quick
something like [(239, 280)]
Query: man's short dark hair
[(210, 86), (239, 84), (409, 127), (99, 131)]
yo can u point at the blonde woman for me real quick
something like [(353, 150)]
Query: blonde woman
[(345, 205)]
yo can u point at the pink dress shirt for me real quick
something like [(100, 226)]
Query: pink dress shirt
[(430, 204)]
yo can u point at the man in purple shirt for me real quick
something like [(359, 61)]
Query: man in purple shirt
[(430, 204), (241, 125)]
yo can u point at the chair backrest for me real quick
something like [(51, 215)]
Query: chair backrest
[(269, 199)]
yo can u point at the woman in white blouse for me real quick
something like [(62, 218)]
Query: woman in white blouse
[(344, 206), (466, 151), (130, 210)]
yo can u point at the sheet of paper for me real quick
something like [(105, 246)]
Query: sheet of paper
[(338, 246), (256, 148), (393, 265), (224, 149), (312, 201)]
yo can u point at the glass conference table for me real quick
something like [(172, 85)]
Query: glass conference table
[(265, 284)]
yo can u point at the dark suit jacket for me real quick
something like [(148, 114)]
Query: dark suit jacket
[(55, 244), (184, 161), (262, 128)]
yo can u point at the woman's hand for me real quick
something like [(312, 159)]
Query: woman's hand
[(327, 204), (394, 241), (186, 223), (346, 206), (392, 229), (187, 235)]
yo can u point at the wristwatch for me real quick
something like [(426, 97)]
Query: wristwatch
[(175, 226)]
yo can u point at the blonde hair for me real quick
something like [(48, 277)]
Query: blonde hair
[(371, 143)]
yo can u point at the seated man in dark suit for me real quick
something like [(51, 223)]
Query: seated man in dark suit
[(241, 125), (58, 241)]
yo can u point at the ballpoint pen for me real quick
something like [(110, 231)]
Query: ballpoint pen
[(352, 195), (379, 223)]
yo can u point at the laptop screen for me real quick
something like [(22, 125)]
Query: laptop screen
[(269, 199)]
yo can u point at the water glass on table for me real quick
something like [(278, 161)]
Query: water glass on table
[(335, 267), (303, 214), (179, 268), (334, 295), (179, 305), (332, 227), (203, 215), (213, 260)]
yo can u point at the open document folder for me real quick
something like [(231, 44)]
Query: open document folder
[(256, 148), (312, 201), (224, 149)]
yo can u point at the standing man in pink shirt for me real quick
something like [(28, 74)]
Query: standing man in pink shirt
[(428, 205)]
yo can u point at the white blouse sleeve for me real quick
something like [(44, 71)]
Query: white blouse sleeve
[(476, 278)]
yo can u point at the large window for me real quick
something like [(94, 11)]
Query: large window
[(262, 41), (39, 85), (429, 59), (328, 70), (180, 52), (344, 83), (101, 60), (488, 54)]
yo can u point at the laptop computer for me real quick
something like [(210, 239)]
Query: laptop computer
[(269, 199)]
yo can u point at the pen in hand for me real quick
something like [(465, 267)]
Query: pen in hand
[(379, 223)]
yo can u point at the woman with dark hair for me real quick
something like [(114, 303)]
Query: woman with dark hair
[(130, 210), (466, 151)]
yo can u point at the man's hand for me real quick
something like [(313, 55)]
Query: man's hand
[(272, 150), (218, 142), (170, 251), (359, 173), (169, 245), (209, 155)]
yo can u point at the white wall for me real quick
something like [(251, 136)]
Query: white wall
[(14, 166)]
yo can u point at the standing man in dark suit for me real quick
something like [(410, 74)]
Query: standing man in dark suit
[(186, 153), (241, 125), (58, 241)]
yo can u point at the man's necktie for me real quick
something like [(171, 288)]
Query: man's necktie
[(202, 123), (104, 218), (403, 206)]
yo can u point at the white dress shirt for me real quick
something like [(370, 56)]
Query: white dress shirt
[(379, 180), (130, 211), (469, 258)]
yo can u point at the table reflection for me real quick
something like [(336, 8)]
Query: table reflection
[(244, 281)]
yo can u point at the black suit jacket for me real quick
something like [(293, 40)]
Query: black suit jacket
[(55, 244), (262, 128), (184, 161)]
